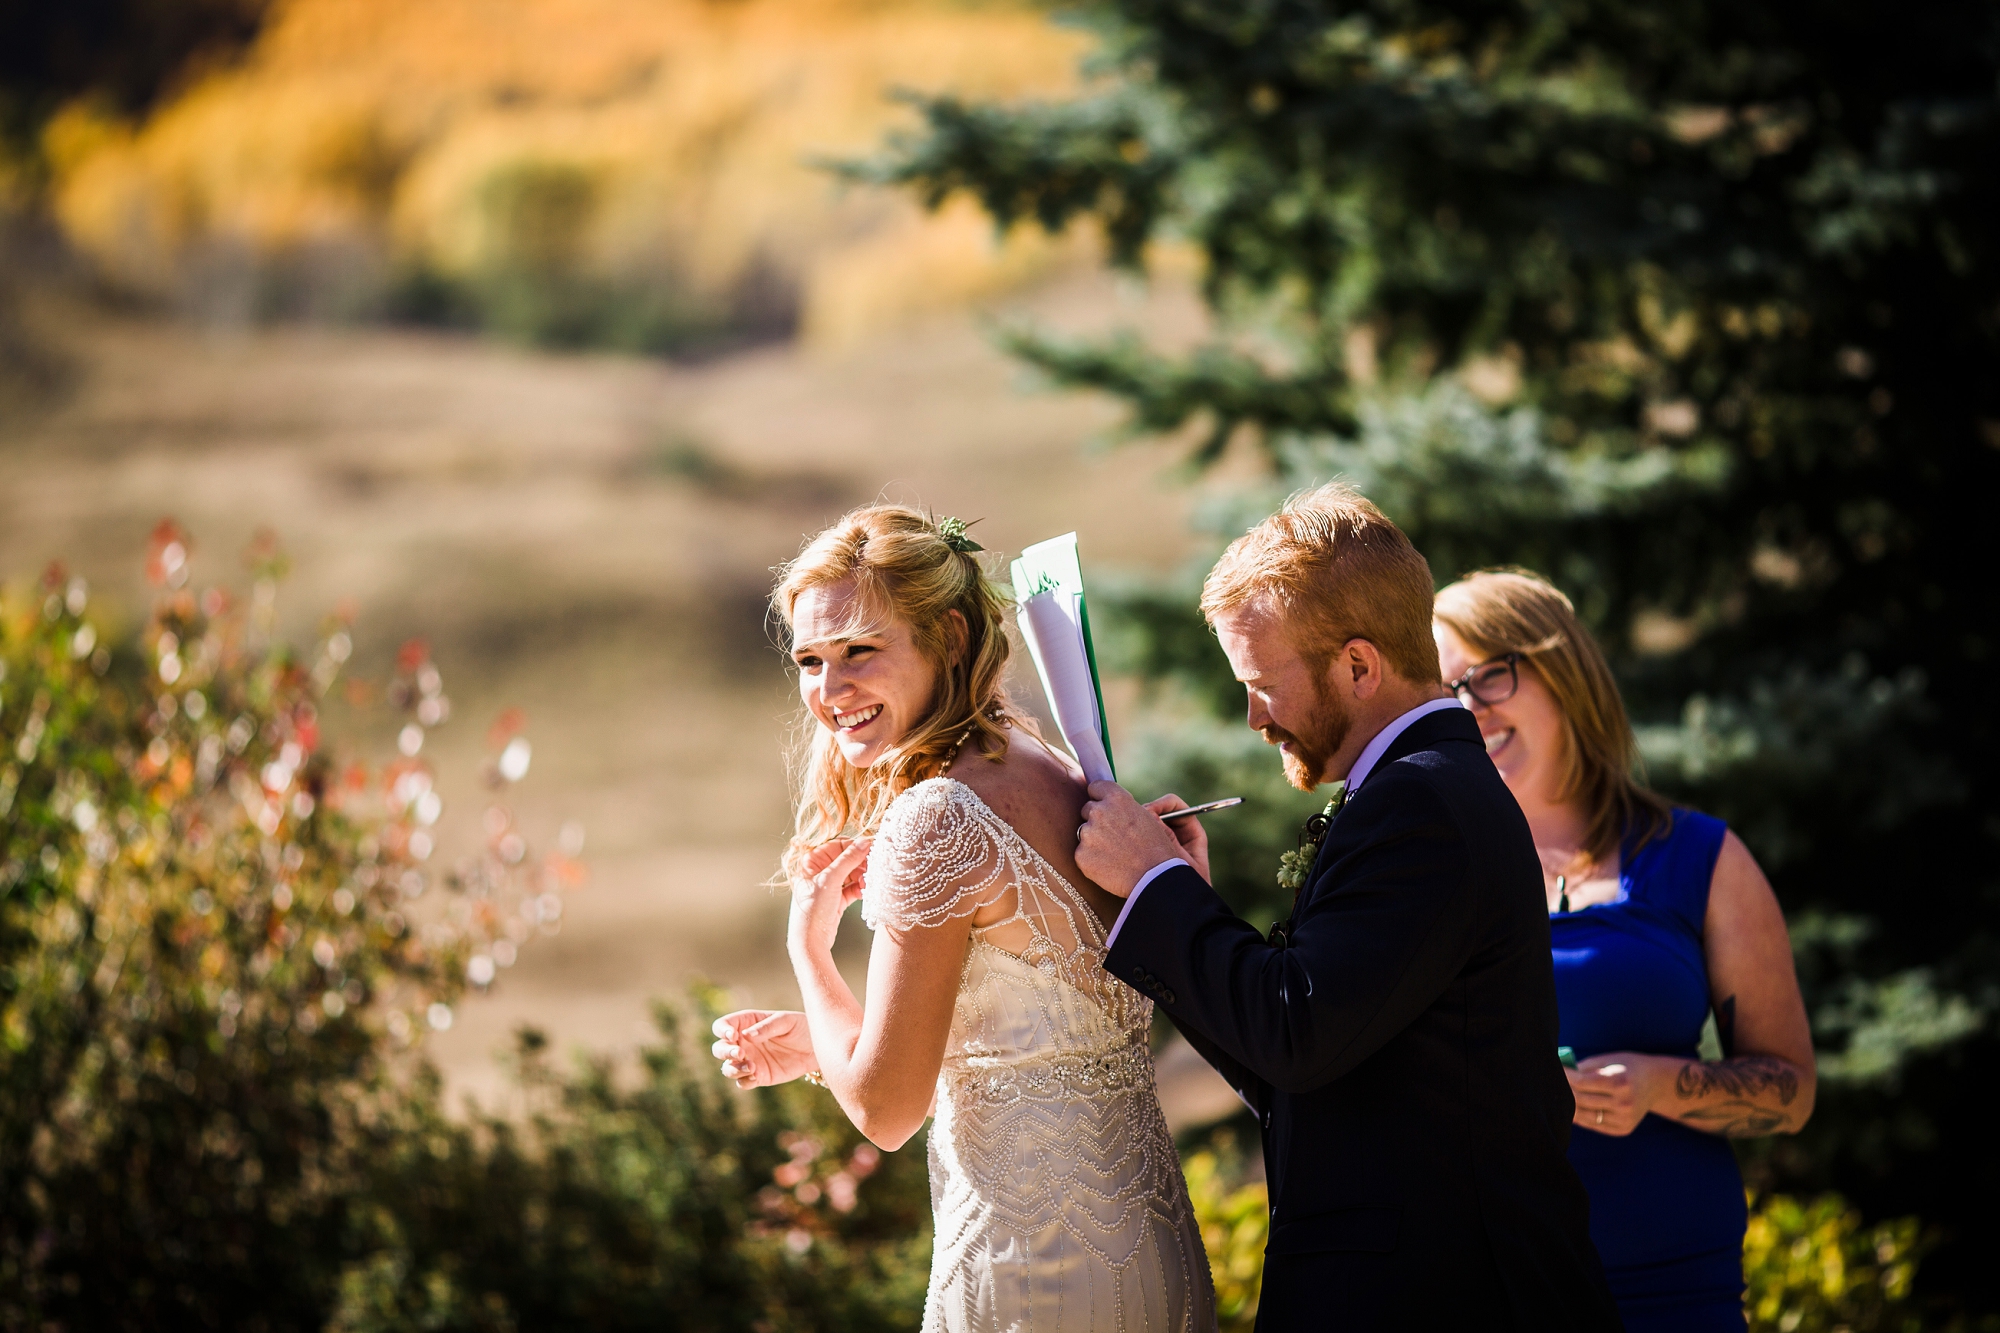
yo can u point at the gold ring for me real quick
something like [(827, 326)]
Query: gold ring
[(1600, 1117)]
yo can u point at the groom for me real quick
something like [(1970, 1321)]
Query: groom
[(1396, 1036)]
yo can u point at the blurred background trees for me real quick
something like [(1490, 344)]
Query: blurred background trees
[(124, 53), (604, 173), (1694, 307)]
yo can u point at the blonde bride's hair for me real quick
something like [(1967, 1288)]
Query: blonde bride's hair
[(904, 569)]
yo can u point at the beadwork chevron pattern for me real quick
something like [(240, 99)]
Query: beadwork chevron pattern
[(1059, 1198)]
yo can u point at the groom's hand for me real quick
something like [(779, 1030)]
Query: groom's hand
[(1192, 836), (1120, 840)]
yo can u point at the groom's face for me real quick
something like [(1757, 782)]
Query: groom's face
[(1291, 704)]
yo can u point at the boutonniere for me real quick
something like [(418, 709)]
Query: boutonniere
[(1294, 865)]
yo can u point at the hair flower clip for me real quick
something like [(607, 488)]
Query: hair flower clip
[(953, 532)]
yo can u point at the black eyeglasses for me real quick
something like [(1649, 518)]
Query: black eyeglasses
[(1491, 682)]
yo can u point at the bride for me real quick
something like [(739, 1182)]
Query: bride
[(1057, 1191)]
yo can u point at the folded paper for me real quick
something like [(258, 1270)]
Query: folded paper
[(1055, 622)]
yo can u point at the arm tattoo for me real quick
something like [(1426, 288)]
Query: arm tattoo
[(1750, 1076), (1743, 1089), (1736, 1122)]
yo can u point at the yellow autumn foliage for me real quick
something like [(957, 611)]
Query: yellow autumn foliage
[(1235, 1222), (626, 139), (1809, 1265)]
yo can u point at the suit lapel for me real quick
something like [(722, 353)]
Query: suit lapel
[(1423, 734), (1322, 863)]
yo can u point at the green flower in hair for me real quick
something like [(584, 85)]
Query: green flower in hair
[(953, 532)]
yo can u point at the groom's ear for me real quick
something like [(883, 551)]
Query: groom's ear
[(1358, 669)]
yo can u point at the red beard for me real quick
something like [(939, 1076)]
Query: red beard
[(1314, 745)]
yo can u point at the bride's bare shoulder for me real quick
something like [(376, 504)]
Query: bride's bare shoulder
[(1039, 792), (1031, 786)]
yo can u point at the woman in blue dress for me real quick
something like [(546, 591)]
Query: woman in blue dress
[(1658, 916)]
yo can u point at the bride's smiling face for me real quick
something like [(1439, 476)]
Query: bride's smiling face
[(868, 689)]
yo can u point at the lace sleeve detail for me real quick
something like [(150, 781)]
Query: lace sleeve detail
[(934, 859)]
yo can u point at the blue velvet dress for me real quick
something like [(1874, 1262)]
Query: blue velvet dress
[(1666, 1202)]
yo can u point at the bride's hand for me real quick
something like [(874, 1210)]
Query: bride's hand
[(760, 1047), (834, 876)]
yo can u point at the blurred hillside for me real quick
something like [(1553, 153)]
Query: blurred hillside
[(587, 538), (628, 173)]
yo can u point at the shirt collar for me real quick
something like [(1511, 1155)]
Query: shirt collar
[(1375, 749)]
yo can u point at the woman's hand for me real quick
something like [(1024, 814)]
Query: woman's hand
[(1614, 1092), (834, 877), (762, 1047)]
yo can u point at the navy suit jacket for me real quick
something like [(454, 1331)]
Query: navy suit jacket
[(1400, 1056)]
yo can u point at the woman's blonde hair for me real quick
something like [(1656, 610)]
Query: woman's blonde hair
[(1500, 611), (904, 569)]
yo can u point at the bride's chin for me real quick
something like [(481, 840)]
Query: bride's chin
[(861, 756), (860, 753)]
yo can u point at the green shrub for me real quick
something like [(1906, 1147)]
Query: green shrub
[(1813, 1267), (676, 1203), (204, 961), (219, 951), (1235, 1221)]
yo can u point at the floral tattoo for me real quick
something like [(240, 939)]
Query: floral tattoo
[(1742, 1084)]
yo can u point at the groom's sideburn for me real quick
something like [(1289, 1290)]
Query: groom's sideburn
[(1400, 1057)]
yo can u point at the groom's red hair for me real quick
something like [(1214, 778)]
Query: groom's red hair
[(1337, 569)]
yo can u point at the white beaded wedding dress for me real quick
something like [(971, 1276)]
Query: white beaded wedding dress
[(1058, 1194)]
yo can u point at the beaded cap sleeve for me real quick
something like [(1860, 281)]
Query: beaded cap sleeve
[(933, 859)]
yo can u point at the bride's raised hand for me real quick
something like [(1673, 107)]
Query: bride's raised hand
[(851, 851), (761, 1047), (834, 875)]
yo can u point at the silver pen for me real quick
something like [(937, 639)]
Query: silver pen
[(1204, 808)]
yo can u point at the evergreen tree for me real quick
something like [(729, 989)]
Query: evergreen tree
[(126, 53), (1690, 305)]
